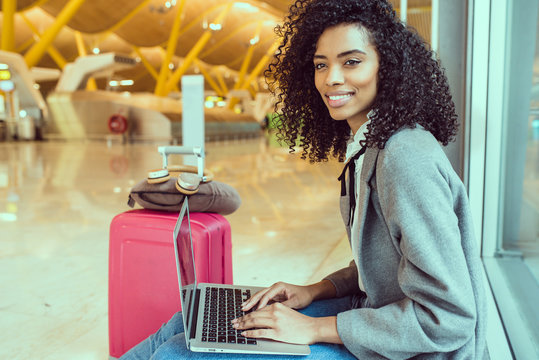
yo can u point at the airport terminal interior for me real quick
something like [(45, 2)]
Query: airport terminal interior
[(89, 89)]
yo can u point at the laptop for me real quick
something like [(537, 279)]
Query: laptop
[(208, 308)]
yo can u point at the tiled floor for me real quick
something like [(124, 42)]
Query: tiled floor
[(56, 203)]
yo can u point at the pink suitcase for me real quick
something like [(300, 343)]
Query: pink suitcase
[(143, 282)]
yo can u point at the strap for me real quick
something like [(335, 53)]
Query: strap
[(130, 201), (351, 167)]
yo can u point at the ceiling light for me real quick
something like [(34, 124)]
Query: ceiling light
[(254, 40), (3, 66), (96, 50), (115, 83), (215, 27), (163, 9)]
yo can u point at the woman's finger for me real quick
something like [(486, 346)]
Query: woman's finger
[(257, 319), (267, 297), (263, 297), (253, 300), (261, 333), (275, 292)]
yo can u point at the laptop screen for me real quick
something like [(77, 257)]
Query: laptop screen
[(185, 265)]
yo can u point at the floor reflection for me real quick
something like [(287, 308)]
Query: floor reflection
[(56, 203)]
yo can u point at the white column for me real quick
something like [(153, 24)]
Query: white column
[(404, 10), (435, 26), (192, 114)]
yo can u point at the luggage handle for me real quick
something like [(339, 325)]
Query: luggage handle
[(165, 151)]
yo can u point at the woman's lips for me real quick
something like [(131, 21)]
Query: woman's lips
[(339, 100)]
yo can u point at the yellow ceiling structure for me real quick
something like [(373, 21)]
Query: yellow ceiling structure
[(223, 39)]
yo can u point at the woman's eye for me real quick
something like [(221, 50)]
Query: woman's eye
[(318, 66), (352, 62)]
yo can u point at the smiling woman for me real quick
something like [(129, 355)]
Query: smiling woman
[(353, 82), (411, 86), (346, 72)]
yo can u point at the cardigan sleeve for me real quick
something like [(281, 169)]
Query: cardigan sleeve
[(345, 280), (418, 195)]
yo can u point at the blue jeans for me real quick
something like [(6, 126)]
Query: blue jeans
[(169, 341)]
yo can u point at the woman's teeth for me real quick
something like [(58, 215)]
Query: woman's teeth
[(339, 97)]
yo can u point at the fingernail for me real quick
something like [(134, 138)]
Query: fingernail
[(244, 333), (235, 326)]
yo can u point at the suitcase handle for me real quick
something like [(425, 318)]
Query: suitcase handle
[(165, 151)]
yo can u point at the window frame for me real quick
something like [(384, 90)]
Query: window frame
[(487, 57)]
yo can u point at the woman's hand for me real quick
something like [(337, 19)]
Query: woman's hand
[(292, 296), (279, 322)]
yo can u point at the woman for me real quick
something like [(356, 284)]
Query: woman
[(354, 83)]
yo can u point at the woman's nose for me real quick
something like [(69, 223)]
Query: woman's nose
[(334, 76)]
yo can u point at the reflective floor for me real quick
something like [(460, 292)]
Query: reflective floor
[(56, 203)]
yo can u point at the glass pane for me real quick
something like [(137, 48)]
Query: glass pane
[(518, 259), (521, 233), (418, 15)]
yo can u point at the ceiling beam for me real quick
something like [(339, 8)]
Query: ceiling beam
[(79, 41), (229, 36), (171, 49), (25, 45), (261, 64), (37, 51), (233, 63), (221, 81), (209, 78), (103, 35), (52, 51), (81, 47), (195, 50), (203, 14), (32, 5), (9, 8), (129, 16), (146, 63), (278, 11), (248, 56)]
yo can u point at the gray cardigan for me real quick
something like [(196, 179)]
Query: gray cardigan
[(424, 294)]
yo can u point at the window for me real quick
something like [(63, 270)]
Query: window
[(503, 161)]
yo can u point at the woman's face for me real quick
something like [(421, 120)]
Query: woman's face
[(346, 73)]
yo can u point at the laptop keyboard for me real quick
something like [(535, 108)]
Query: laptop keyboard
[(222, 306)]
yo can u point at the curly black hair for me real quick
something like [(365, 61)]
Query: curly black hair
[(412, 87)]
